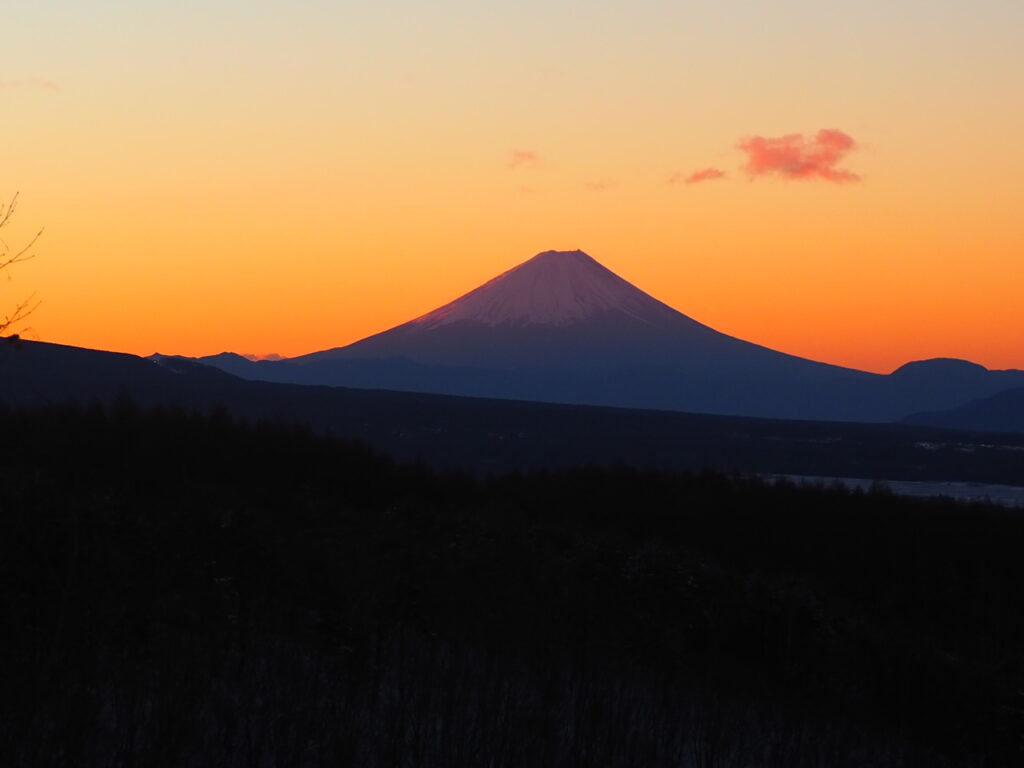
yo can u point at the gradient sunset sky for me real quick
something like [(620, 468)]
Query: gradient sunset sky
[(841, 181)]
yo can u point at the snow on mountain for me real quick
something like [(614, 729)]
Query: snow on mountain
[(552, 288)]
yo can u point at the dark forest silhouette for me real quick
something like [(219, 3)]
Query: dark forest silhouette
[(187, 590)]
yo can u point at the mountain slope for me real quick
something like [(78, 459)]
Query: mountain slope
[(35, 373), (1003, 412)]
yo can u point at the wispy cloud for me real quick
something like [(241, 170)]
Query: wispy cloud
[(704, 174), (599, 186), (795, 156), (30, 82), (523, 158)]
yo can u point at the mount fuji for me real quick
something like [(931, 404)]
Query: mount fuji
[(559, 311), (561, 327)]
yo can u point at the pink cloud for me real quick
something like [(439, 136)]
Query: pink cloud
[(523, 157), (795, 157), (704, 174)]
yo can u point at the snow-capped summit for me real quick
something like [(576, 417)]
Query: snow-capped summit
[(553, 288)]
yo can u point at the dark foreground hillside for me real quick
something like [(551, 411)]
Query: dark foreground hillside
[(186, 591)]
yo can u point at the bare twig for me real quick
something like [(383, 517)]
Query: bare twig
[(7, 211), (21, 311), (8, 259)]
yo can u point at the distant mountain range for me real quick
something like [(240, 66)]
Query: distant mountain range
[(562, 328), (498, 435)]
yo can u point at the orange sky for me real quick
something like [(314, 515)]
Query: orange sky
[(250, 177)]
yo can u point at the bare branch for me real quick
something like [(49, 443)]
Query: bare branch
[(22, 255), (8, 259), (7, 211), (21, 311)]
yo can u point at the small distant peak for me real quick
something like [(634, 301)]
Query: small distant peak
[(224, 356), (937, 366)]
